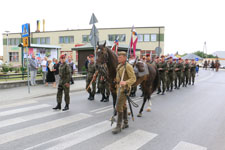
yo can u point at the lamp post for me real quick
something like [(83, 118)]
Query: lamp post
[(7, 57)]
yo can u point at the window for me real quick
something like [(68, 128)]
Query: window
[(120, 37), (140, 37), (85, 38), (14, 56), (66, 39), (38, 40), (153, 37), (42, 40), (47, 40), (146, 37)]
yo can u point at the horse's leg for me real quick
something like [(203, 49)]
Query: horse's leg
[(142, 107)]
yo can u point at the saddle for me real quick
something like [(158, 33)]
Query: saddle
[(141, 69)]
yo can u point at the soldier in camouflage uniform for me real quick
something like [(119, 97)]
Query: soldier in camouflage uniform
[(175, 74), (170, 74), (125, 84), (103, 83), (91, 76), (162, 68), (186, 72), (179, 72), (155, 62), (182, 74), (64, 84), (148, 59), (193, 71)]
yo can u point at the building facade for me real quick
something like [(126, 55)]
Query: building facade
[(149, 38)]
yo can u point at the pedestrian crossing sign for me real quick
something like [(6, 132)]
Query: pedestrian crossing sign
[(25, 30), (196, 59)]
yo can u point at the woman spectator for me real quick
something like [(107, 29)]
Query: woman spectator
[(56, 72), (50, 74)]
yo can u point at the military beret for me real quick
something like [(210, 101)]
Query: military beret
[(170, 57), (122, 53), (91, 55), (62, 57), (179, 58), (147, 55), (156, 57), (192, 60), (162, 56)]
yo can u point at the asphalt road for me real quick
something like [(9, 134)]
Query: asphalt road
[(191, 118)]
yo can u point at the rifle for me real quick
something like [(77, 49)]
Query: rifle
[(93, 79)]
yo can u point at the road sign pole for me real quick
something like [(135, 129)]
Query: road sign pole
[(28, 71)]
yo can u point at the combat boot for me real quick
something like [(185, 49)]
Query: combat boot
[(106, 99), (92, 97), (117, 129), (159, 91), (89, 96), (58, 106), (66, 107), (125, 119), (103, 98)]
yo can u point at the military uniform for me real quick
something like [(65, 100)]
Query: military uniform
[(90, 74), (193, 72), (65, 75), (179, 73), (104, 84), (162, 76), (130, 78), (170, 75), (186, 73)]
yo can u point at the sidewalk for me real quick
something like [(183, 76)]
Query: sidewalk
[(21, 93)]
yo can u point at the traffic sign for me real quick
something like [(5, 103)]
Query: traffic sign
[(26, 30), (26, 42), (196, 59), (93, 19), (158, 50)]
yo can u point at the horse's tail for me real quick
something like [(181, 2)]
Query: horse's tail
[(156, 81)]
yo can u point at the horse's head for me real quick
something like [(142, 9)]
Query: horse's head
[(102, 55)]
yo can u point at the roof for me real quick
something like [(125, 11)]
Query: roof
[(43, 46), (109, 44), (220, 54), (191, 56)]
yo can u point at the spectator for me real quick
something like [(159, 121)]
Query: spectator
[(50, 75), (56, 72), (44, 64), (33, 66), (72, 69), (87, 62)]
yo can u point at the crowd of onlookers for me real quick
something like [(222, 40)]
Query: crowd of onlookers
[(50, 70)]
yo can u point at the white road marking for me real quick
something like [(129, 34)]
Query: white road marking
[(17, 104), (99, 109), (188, 146), (19, 110), (21, 133), (132, 141), (13, 121), (74, 138)]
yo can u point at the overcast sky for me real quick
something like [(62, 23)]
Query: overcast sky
[(188, 23)]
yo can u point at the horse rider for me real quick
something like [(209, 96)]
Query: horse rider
[(179, 72), (64, 84), (170, 74), (103, 83), (124, 78), (91, 78), (186, 72), (162, 68), (193, 71)]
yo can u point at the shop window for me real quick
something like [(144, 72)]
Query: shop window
[(14, 56)]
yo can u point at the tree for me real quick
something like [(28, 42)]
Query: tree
[(204, 55)]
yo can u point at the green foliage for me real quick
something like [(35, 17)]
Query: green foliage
[(5, 68), (84, 70), (204, 55), (183, 55), (23, 69)]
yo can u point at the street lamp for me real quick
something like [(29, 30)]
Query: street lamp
[(7, 57)]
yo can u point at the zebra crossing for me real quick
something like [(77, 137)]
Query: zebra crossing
[(131, 140)]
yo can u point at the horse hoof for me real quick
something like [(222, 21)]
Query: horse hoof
[(128, 113), (148, 110), (139, 115)]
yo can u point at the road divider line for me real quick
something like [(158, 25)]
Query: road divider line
[(17, 104), (22, 119), (21, 133), (188, 146), (25, 109), (132, 141), (74, 138)]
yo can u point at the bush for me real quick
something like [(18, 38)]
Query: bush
[(83, 70), (5, 68), (23, 69)]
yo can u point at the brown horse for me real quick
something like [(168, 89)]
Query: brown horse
[(108, 57), (149, 82)]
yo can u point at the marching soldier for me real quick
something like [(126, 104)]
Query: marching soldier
[(91, 77), (182, 73), (64, 84), (175, 74), (186, 72), (179, 72), (170, 74), (193, 72), (162, 67), (125, 78), (103, 84), (156, 61)]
